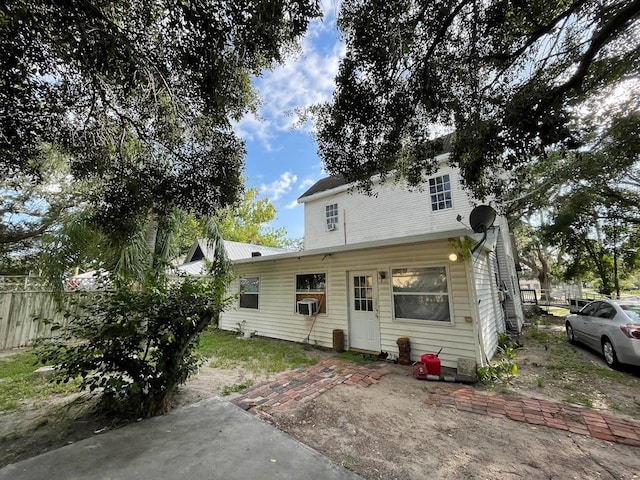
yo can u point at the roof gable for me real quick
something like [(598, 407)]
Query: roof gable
[(335, 181)]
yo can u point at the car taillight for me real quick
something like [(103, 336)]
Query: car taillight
[(631, 330)]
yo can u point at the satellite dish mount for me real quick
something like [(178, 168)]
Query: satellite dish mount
[(481, 220)]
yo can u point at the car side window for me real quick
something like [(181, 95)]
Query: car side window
[(591, 309), (606, 311)]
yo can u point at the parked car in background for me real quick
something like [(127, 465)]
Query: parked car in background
[(610, 327)]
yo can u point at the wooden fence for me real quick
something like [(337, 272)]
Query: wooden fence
[(18, 311)]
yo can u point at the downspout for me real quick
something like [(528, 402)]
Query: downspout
[(503, 305), (344, 225)]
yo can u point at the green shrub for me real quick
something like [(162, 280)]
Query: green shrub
[(501, 370), (134, 347)]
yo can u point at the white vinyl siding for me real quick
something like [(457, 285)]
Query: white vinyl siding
[(393, 211), (277, 286), (489, 308)]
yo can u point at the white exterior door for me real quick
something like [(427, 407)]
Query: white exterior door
[(364, 326)]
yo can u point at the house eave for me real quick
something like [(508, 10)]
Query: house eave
[(441, 159), (414, 239)]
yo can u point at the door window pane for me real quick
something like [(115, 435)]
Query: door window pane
[(363, 293)]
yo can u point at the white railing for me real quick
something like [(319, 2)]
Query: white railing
[(21, 283)]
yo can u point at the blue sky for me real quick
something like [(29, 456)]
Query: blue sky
[(282, 159)]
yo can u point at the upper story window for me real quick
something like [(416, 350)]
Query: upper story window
[(249, 292), (331, 215), (440, 190)]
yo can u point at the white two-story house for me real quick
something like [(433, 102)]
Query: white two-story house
[(378, 267)]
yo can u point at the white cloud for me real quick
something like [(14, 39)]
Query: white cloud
[(279, 187), (304, 80), (291, 205), (250, 127), (306, 183)]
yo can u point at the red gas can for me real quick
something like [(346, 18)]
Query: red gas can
[(431, 363)]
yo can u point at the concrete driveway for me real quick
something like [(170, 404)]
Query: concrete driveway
[(212, 439)]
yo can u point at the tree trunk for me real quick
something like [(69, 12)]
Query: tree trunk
[(545, 285), (151, 236)]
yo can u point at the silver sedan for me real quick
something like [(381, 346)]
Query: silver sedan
[(612, 328)]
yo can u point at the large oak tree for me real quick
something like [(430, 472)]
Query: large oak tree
[(139, 96), (512, 78)]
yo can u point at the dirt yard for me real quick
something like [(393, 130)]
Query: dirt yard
[(388, 431), (391, 431)]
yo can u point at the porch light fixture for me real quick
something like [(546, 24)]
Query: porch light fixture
[(453, 257)]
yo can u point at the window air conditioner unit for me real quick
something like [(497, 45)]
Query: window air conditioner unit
[(307, 306), (331, 226)]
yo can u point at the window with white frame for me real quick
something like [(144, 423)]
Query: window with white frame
[(421, 293), (440, 191), (249, 292), (312, 285), (331, 215)]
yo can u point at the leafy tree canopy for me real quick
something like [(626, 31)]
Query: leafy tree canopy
[(511, 78), (139, 95), (29, 210), (247, 221), (609, 170), (584, 203)]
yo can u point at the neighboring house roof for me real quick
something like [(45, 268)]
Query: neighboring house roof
[(201, 251), (335, 181), (192, 268), (237, 250)]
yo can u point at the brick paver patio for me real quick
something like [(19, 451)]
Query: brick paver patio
[(290, 389), (303, 384), (580, 420)]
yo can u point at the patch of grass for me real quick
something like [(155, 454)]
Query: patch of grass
[(361, 358), (257, 355), (540, 382), (18, 384), (558, 311), (348, 461), (632, 410), (566, 357), (548, 320), (238, 387), (579, 399)]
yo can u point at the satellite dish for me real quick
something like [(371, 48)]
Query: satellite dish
[(481, 218)]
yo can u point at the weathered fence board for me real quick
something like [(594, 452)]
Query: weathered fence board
[(18, 311)]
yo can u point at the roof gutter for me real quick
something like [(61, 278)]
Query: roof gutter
[(429, 237)]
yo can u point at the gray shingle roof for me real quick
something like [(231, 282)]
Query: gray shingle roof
[(323, 184), (335, 181)]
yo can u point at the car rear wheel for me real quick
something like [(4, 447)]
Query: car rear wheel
[(609, 353), (570, 335)]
